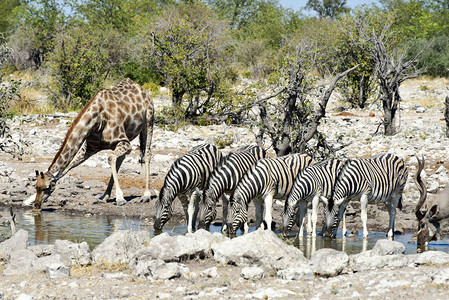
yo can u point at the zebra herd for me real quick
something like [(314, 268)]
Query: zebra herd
[(203, 175)]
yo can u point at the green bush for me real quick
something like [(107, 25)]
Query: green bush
[(435, 59)]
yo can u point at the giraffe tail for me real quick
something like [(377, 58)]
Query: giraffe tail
[(142, 141)]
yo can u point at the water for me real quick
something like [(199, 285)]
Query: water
[(50, 226)]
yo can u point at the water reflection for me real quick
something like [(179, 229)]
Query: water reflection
[(50, 226)]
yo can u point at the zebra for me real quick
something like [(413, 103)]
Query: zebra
[(379, 179), (223, 180), (268, 178), (186, 178), (315, 183)]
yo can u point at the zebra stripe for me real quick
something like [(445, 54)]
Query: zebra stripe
[(188, 173), (314, 183), (267, 179), (224, 179), (379, 179)]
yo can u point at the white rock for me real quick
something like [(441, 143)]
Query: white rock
[(252, 273)]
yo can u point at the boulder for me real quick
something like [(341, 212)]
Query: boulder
[(73, 253), (18, 241), (179, 248), (366, 261), (259, 248), (328, 262), (20, 262), (158, 270), (429, 257), (120, 247), (387, 247)]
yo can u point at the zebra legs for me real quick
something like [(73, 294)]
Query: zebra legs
[(364, 213), (302, 209), (258, 203), (268, 209), (225, 200), (192, 210), (392, 204)]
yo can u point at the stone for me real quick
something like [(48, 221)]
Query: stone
[(328, 262), (258, 248), (57, 270), (18, 241), (179, 248), (441, 276), (121, 247), (158, 270), (303, 272), (20, 262), (387, 247), (252, 273), (430, 257), (366, 261), (41, 250), (210, 272), (73, 253)]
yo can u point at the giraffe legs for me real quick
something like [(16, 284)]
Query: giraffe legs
[(116, 158), (148, 136), (81, 156), (107, 193)]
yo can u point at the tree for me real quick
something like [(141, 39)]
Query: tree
[(79, 64), (6, 9), (391, 70), (327, 8), (188, 46), (293, 121), (39, 22)]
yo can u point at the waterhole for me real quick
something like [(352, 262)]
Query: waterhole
[(51, 226)]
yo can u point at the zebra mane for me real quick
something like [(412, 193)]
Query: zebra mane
[(341, 172)]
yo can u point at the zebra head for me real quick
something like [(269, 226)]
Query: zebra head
[(289, 213), (332, 218), (163, 208), (207, 210), (239, 213)]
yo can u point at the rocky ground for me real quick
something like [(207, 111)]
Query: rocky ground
[(421, 131)]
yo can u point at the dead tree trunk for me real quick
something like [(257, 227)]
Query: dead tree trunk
[(391, 71), (446, 115), (296, 125)]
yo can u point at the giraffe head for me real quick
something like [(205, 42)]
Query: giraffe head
[(45, 185)]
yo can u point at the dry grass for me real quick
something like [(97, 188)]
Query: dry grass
[(97, 268)]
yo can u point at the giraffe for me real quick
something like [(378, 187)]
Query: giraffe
[(110, 120)]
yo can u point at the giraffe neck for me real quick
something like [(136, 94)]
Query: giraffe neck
[(73, 141)]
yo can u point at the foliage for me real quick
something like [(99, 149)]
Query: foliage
[(8, 93), (327, 8), (6, 8), (223, 141), (188, 46), (39, 22), (79, 64), (435, 60)]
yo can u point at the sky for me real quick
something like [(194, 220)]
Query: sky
[(297, 4)]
